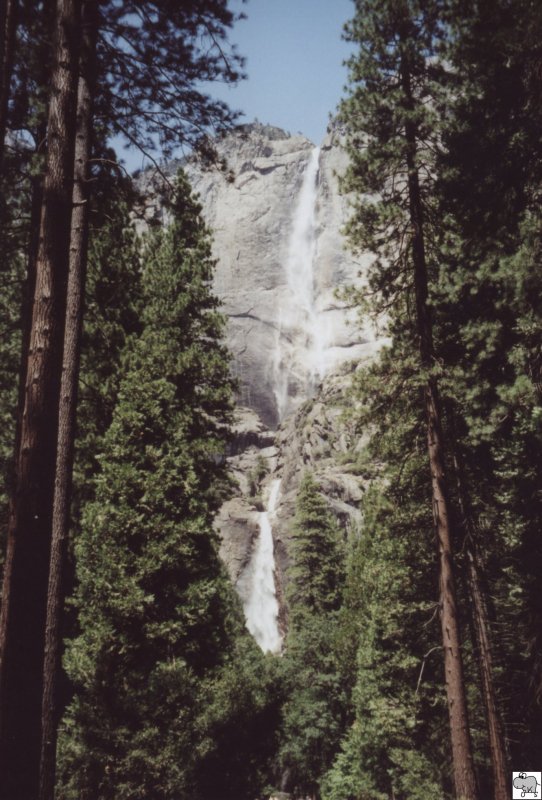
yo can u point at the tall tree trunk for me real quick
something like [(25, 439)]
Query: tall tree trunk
[(33, 239), (68, 398), (497, 748), (482, 637), (22, 618), (8, 14), (463, 765)]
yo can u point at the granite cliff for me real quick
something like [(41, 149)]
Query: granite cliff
[(276, 214), (274, 303)]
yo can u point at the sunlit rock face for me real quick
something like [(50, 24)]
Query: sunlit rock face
[(276, 217)]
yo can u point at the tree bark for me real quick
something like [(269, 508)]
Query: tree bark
[(36, 183), (22, 618), (68, 399), (483, 645), (8, 14), (497, 748), (463, 765)]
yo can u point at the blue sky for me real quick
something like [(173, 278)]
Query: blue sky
[(294, 54)]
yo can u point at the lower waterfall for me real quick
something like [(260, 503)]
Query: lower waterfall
[(261, 604)]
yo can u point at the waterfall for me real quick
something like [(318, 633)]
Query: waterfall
[(298, 363), (261, 604), (300, 342)]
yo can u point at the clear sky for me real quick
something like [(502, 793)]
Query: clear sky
[(294, 54), (294, 62)]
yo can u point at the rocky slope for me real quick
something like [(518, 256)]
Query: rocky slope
[(316, 437)]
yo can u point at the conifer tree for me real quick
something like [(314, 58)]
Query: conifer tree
[(113, 318), (393, 745), (159, 622), (481, 230), (314, 707), (65, 446), (395, 94), (8, 22), (489, 179), (165, 51), (27, 552)]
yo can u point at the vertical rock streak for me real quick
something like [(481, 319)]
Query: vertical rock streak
[(261, 605)]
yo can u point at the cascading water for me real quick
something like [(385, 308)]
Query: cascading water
[(261, 604), (300, 345), (298, 360)]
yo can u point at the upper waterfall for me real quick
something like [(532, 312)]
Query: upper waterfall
[(277, 218), (301, 338), (300, 272)]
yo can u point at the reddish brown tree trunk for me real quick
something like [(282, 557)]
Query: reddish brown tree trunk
[(47, 15), (463, 765), (501, 776), (8, 13), (68, 400), (483, 645), (22, 619)]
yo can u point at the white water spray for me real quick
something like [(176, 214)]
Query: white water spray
[(261, 605), (299, 264), (301, 327)]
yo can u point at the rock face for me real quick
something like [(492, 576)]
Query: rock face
[(277, 219), (317, 437), (276, 215), (283, 315)]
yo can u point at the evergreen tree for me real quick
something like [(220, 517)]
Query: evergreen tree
[(22, 616), (315, 577), (113, 318), (8, 22), (166, 51), (395, 738), (69, 381), (159, 623), (480, 178), (487, 301), (395, 95), (11, 281), (314, 707)]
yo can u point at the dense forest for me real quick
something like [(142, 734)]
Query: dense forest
[(412, 661)]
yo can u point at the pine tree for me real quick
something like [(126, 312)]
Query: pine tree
[(159, 622), (188, 44), (150, 88), (479, 200), (314, 706), (396, 89), (71, 353), (27, 552), (316, 572), (487, 303), (11, 281), (113, 318), (20, 206), (394, 742), (8, 22)]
